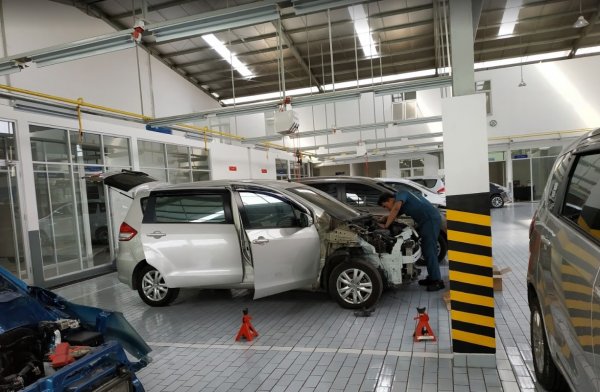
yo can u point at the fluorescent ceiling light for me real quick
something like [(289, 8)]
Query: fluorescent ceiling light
[(590, 50), (510, 17), (519, 60), (363, 32), (227, 55), (266, 96), (214, 94)]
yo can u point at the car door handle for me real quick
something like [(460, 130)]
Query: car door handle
[(545, 241), (260, 241), (156, 234)]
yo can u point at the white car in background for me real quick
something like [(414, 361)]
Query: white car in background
[(433, 183), (402, 184)]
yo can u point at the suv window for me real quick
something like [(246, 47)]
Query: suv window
[(362, 195), (582, 199), (199, 208), (268, 211), (558, 174), (429, 183), (329, 188)]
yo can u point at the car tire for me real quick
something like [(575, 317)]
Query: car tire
[(496, 201), (101, 235), (442, 248), (546, 371), (355, 284), (152, 288)]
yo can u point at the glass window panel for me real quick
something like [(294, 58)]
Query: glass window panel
[(151, 154), (158, 174), (496, 156), (190, 209), (48, 144), (116, 151), (85, 148), (199, 157), (418, 163), (540, 168), (8, 148), (404, 173), (200, 176), (12, 256), (405, 164), (179, 176), (418, 172), (177, 157), (330, 189), (582, 204), (264, 211), (362, 195)]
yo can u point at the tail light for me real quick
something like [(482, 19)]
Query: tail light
[(126, 232), (441, 190)]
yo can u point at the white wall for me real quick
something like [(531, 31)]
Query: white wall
[(109, 80)]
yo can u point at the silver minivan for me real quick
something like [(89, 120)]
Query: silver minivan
[(563, 278), (269, 236)]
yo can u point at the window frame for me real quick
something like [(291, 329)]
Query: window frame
[(150, 212)]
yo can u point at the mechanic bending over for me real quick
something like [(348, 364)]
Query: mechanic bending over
[(428, 221)]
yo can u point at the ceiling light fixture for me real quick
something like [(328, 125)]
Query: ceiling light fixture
[(580, 22), (227, 55), (363, 32)]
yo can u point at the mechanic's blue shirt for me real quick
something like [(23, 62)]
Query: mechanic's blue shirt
[(417, 207)]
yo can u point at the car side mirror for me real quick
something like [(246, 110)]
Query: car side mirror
[(306, 220)]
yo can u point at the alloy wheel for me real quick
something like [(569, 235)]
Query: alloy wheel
[(538, 339), (354, 286), (154, 286), (497, 202)]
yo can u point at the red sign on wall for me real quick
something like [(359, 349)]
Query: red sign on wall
[(232, 168), (263, 171)]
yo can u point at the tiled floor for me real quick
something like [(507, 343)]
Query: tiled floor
[(308, 343)]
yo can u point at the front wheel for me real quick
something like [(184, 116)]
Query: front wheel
[(496, 201), (546, 371), (152, 288), (355, 285)]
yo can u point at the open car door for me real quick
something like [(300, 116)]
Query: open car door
[(124, 180), (285, 244)]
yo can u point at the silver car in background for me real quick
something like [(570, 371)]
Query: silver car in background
[(269, 236), (563, 277)]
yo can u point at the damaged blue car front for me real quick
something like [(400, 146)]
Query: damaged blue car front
[(50, 344)]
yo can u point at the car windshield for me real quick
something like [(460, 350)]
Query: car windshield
[(327, 203)]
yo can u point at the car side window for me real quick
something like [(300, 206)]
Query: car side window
[(582, 198), (264, 210), (330, 189), (193, 208), (362, 195), (429, 183)]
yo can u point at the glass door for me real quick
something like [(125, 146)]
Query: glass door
[(12, 256)]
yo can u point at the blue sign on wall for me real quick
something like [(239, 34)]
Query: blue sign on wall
[(166, 130), (520, 156)]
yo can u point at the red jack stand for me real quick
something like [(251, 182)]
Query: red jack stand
[(423, 330), (247, 331)]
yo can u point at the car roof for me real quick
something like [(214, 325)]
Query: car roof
[(278, 184), (590, 139), (338, 178)]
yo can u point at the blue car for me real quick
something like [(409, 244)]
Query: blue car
[(49, 344)]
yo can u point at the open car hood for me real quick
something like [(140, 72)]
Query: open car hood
[(22, 305)]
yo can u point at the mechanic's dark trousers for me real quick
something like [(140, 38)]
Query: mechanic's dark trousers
[(429, 232)]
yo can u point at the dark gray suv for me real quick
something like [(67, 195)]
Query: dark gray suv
[(564, 269), (362, 193)]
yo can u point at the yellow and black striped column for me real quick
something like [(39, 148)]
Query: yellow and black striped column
[(471, 273)]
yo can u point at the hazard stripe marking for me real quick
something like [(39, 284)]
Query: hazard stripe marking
[(486, 281), (472, 299), (468, 217), (484, 321), (476, 239), (473, 338), (470, 258)]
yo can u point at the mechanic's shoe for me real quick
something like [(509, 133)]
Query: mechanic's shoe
[(435, 286), (426, 282)]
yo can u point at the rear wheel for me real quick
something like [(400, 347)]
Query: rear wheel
[(152, 288), (442, 248), (496, 201), (546, 371), (355, 285)]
